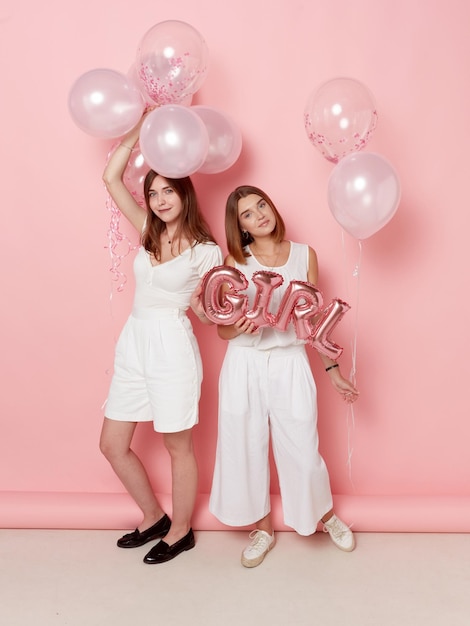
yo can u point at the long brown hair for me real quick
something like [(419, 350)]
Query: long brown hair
[(192, 225), (236, 238)]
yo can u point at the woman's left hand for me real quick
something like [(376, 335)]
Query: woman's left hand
[(344, 386), (196, 305)]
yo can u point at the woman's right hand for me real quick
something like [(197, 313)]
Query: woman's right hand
[(242, 326), (245, 326)]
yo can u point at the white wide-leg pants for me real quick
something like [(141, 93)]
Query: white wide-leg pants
[(263, 392)]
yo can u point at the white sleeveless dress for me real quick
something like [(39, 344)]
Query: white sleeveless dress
[(157, 368)]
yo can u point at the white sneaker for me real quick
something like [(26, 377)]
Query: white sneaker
[(261, 544), (340, 534)]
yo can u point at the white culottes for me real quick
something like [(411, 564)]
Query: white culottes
[(263, 391), (157, 371)]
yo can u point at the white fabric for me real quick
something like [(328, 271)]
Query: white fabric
[(263, 392), (171, 284), (295, 267), (157, 369)]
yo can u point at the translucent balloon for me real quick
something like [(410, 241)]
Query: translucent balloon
[(149, 102), (134, 175), (105, 103), (340, 117), (363, 193), (225, 140), (135, 172), (174, 141), (172, 62)]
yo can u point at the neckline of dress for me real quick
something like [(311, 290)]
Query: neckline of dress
[(274, 267), (149, 257)]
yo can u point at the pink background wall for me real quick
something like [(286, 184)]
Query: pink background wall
[(410, 466)]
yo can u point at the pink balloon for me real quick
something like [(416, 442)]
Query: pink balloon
[(363, 193), (225, 140), (135, 173), (231, 306), (172, 61), (340, 117), (174, 141), (105, 103)]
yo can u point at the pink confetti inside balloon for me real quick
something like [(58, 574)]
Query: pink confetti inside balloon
[(172, 62), (340, 117)]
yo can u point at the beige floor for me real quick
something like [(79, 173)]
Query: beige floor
[(79, 578)]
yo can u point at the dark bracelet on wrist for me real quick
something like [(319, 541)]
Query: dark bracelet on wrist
[(331, 367)]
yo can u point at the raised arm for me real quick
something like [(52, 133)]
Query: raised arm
[(113, 179)]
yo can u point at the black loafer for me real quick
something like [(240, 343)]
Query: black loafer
[(162, 552), (137, 538)]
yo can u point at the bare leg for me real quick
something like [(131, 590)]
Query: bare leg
[(184, 478), (115, 444), (327, 516), (266, 524)]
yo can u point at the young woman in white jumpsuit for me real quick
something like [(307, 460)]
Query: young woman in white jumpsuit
[(267, 389), (157, 370)]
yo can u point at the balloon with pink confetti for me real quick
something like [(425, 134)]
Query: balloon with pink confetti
[(172, 62), (340, 117)]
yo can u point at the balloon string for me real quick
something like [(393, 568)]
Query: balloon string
[(117, 239), (350, 419)]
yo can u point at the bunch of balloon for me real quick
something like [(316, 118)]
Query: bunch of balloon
[(176, 139), (340, 118), (363, 190)]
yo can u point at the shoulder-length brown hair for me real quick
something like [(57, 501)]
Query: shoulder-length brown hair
[(236, 239), (192, 224)]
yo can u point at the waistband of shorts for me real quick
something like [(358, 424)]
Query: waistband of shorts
[(158, 314), (281, 351)]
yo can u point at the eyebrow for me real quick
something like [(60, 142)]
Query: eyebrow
[(162, 188)]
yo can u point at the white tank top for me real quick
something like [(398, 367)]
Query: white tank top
[(295, 268)]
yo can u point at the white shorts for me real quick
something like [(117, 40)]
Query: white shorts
[(157, 371), (263, 392)]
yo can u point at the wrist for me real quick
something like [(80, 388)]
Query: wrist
[(131, 149), (331, 367)]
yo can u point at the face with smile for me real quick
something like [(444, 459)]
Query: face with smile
[(256, 216), (164, 201)]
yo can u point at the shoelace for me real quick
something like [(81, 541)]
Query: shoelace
[(259, 540), (336, 528)]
